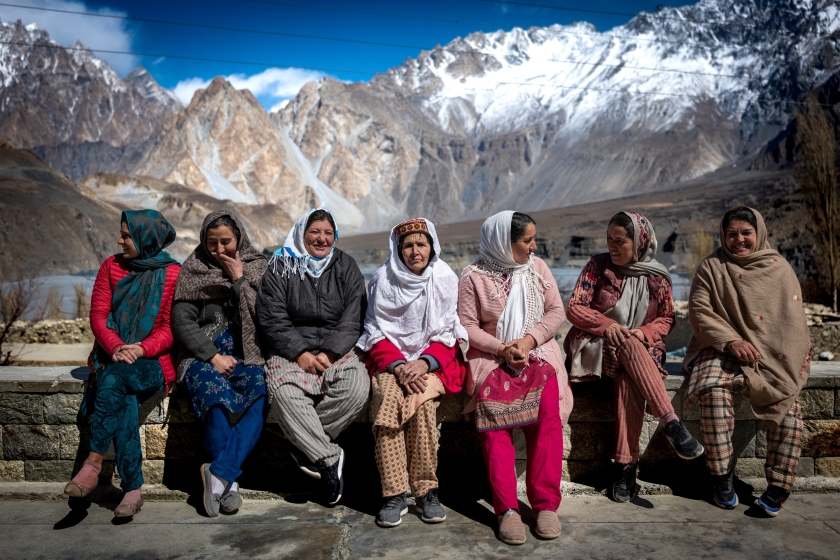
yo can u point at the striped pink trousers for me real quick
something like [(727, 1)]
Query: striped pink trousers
[(638, 380)]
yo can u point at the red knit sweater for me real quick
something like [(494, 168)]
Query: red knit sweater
[(159, 342), (452, 370)]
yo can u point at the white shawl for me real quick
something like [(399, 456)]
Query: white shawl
[(293, 258), (409, 310)]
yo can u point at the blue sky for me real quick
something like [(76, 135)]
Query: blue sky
[(291, 61)]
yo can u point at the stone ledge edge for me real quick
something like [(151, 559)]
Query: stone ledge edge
[(54, 491)]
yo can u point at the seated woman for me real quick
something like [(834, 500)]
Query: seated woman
[(511, 310), (411, 333), (222, 364), (621, 310), (750, 335), (129, 317), (310, 311)]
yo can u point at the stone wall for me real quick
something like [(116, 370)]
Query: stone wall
[(43, 440)]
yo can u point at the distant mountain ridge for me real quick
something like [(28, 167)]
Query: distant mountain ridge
[(531, 119)]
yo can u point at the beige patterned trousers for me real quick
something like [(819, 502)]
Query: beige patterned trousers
[(406, 437)]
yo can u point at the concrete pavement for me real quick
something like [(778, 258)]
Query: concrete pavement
[(658, 526)]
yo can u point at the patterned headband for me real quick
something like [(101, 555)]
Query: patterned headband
[(417, 225)]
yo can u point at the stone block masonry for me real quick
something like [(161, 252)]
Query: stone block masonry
[(43, 439)]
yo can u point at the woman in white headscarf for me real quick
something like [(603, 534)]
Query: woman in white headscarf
[(511, 310), (310, 311), (621, 310), (411, 335)]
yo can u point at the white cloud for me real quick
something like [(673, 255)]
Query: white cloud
[(93, 32), (274, 86)]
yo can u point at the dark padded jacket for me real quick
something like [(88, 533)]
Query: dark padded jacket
[(295, 315)]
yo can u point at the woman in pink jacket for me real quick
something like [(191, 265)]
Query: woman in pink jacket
[(511, 310)]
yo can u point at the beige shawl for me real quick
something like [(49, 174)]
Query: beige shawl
[(756, 298)]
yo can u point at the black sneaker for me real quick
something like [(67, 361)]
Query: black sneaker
[(685, 444), (392, 511), (724, 491), (303, 463), (429, 505), (772, 500), (333, 481), (625, 488)]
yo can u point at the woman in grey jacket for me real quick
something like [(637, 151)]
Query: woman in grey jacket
[(310, 311)]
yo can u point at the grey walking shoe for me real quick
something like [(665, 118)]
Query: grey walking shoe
[(392, 511), (212, 501), (231, 501), (430, 508), (685, 444)]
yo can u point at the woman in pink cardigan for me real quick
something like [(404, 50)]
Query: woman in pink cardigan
[(511, 310), (412, 335)]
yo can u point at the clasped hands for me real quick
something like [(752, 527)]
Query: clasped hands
[(516, 351), (316, 364), (128, 353), (412, 376), (617, 334)]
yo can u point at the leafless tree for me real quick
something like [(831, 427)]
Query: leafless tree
[(17, 298), (817, 177), (700, 245), (81, 300)]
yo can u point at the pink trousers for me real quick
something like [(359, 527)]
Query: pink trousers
[(544, 441), (637, 381)]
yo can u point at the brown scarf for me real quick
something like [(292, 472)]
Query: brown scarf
[(201, 278), (756, 298)]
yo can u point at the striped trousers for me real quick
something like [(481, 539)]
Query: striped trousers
[(312, 422)]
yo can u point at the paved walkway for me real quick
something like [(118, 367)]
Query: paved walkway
[(593, 527)]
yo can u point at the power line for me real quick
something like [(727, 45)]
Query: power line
[(185, 57), (356, 41), (328, 69)]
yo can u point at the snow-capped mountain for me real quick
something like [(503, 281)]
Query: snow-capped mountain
[(70, 107), (525, 119), (546, 117)]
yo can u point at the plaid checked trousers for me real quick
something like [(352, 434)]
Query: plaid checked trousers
[(717, 418)]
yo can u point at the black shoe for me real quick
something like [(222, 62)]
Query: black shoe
[(429, 505), (625, 488), (685, 444), (333, 481), (724, 491), (392, 511), (303, 463), (772, 500)]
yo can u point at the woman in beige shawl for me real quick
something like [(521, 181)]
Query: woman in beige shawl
[(750, 335)]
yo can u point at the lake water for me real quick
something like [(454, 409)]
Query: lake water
[(65, 284)]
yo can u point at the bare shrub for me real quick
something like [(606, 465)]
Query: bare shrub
[(699, 247), (17, 298), (817, 177), (81, 300), (52, 304)]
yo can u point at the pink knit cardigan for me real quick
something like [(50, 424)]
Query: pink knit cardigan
[(479, 313)]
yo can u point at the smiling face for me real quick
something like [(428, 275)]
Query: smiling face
[(127, 243), (221, 240), (620, 245), (741, 238), (525, 245), (319, 239), (416, 252)]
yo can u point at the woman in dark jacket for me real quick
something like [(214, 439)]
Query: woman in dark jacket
[(310, 311), (213, 317)]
